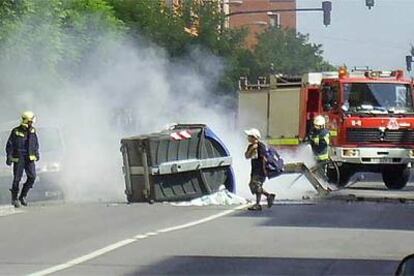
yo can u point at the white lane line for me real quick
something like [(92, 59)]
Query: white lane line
[(125, 242), (84, 258), (138, 237), (190, 224)]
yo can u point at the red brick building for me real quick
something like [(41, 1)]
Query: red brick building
[(256, 22), (260, 21)]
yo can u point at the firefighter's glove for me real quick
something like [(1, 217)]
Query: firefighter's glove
[(8, 162)]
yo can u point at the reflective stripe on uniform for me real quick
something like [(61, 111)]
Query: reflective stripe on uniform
[(326, 137), (333, 132), (14, 159), (18, 133), (323, 157), (32, 157), (316, 140)]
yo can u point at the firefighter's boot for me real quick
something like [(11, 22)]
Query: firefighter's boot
[(23, 194), (256, 207), (14, 200)]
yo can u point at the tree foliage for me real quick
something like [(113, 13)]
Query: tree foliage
[(289, 53), (53, 37), (58, 36)]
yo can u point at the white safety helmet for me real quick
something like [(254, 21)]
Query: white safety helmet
[(253, 132), (28, 116), (319, 121)]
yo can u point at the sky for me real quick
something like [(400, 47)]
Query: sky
[(379, 37)]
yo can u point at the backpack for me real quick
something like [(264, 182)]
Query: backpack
[(274, 163)]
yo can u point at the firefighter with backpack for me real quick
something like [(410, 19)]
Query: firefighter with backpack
[(256, 151)]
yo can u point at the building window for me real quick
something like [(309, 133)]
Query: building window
[(274, 19)]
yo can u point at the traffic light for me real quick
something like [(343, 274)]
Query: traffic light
[(369, 3), (326, 8), (409, 60)]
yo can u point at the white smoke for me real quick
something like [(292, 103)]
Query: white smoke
[(137, 81), (121, 80)]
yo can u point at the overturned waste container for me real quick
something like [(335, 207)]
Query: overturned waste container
[(181, 163)]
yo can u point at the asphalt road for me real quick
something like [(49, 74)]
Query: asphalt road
[(314, 238)]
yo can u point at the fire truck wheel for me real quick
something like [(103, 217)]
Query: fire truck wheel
[(396, 177)]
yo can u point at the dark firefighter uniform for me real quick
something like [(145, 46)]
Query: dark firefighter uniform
[(319, 141), (22, 151)]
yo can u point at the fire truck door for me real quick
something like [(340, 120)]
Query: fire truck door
[(330, 107)]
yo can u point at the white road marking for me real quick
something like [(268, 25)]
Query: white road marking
[(138, 237), (125, 242)]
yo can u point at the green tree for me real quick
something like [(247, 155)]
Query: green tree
[(165, 26), (289, 52), (87, 26), (49, 40), (153, 20)]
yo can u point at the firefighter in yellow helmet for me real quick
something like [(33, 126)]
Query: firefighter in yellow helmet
[(22, 150), (319, 138)]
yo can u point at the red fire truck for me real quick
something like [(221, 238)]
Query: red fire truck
[(370, 115)]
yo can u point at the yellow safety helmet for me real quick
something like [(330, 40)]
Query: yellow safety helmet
[(319, 121), (28, 116)]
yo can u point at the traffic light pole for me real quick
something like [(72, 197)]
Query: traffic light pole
[(276, 11), (326, 9)]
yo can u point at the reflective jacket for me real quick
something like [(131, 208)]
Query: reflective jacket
[(319, 140), (22, 143)]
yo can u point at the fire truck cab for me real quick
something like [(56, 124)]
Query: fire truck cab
[(370, 115)]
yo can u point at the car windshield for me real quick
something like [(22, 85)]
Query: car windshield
[(49, 139), (377, 98)]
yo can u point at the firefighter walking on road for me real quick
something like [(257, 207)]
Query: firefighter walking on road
[(22, 150)]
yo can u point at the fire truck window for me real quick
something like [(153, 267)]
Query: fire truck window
[(329, 98), (400, 96), (377, 98)]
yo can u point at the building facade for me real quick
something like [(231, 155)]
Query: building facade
[(254, 22), (258, 22)]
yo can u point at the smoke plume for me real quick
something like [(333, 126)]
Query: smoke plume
[(122, 88)]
